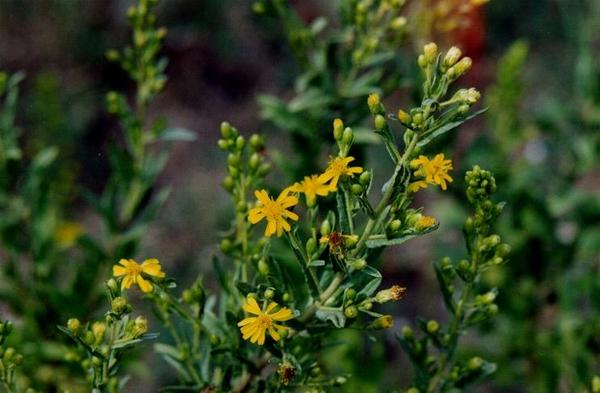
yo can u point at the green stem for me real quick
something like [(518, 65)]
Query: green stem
[(385, 200)]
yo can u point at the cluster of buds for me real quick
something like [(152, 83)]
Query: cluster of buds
[(344, 137), (379, 26), (147, 42), (246, 168), (10, 359), (101, 343)]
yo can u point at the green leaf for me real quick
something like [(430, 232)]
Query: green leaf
[(333, 315), (377, 241), (432, 134)]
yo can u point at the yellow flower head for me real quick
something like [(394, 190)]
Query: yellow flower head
[(312, 186), (255, 328), (425, 222), (132, 272), (275, 211), (337, 168), (432, 171)]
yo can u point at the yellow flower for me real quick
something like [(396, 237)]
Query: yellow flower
[(67, 233), (132, 272), (433, 171), (255, 328), (424, 222), (275, 211), (337, 168), (312, 186)]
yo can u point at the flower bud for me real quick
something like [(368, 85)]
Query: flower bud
[(140, 326), (269, 293), (383, 322), (398, 23), (359, 264), (111, 284), (338, 129), (348, 136), (225, 245), (374, 103), (350, 294), (503, 250), (254, 161), (351, 312), (433, 327), (408, 333), (380, 122), (263, 267), (8, 354), (356, 189), (256, 142), (430, 52), (422, 61), (240, 142), (395, 293), (452, 56), (264, 169), (404, 117), (395, 225), (226, 130), (325, 228), (366, 305), (119, 305), (339, 381), (286, 297), (463, 66), (475, 363), (413, 390), (365, 178), (98, 330)]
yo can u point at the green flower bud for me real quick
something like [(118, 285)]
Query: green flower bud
[(356, 189), (233, 160), (398, 23), (366, 305), (263, 267), (74, 325), (223, 144), (475, 363), (503, 250), (417, 118), (98, 330), (215, 340), (359, 264), (348, 136), (380, 122), (119, 305), (96, 361), (8, 354), (338, 129), (351, 312), (339, 381), (463, 109), (350, 240), (269, 293), (395, 225), (491, 310), (241, 206), (286, 297), (254, 161), (422, 61), (350, 294), (225, 245), (240, 142), (365, 178), (256, 142), (226, 130), (433, 327), (258, 8), (228, 183), (325, 228), (463, 66)]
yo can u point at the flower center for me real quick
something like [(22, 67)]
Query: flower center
[(134, 269), (272, 209), (264, 321)]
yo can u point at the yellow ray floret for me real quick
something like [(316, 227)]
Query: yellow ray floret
[(313, 186), (275, 211), (132, 273), (255, 328), (432, 172), (337, 168)]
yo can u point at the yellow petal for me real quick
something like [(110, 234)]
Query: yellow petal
[(119, 271), (152, 268), (144, 285), (255, 215), (262, 196), (127, 281), (246, 321), (282, 315), (251, 306), (271, 228)]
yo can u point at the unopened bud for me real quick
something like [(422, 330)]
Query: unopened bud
[(404, 117), (356, 189), (325, 228), (351, 312), (430, 52), (365, 178), (226, 130), (140, 326), (374, 103), (463, 66), (383, 322), (452, 56), (338, 129), (269, 293), (256, 142), (359, 264), (380, 122), (475, 363), (119, 305), (348, 136), (433, 327)]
